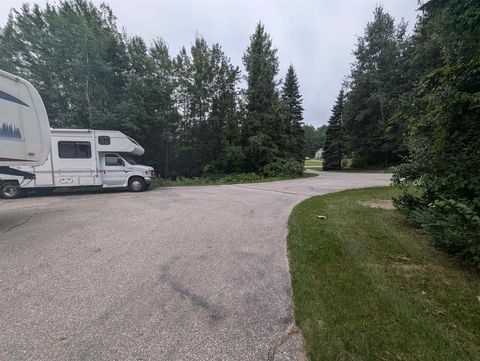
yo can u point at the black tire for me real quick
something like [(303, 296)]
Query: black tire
[(136, 184), (11, 190)]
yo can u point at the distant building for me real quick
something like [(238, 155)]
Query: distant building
[(318, 153)]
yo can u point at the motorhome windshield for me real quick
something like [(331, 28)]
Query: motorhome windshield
[(128, 158)]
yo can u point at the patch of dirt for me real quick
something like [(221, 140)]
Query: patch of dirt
[(288, 347), (378, 203), (408, 267)]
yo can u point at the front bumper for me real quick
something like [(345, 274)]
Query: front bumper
[(149, 179)]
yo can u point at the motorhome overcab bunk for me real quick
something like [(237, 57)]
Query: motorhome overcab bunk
[(84, 157), (24, 127)]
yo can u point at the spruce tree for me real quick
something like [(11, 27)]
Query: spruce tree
[(263, 130), (333, 148), (293, 113), (375, 135)]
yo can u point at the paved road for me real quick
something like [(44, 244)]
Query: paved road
[(192, 273)]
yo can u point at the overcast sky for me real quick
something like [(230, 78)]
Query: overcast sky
[(317, 37)]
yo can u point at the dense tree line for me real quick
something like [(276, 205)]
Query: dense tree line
[(187, 110), (443, 117), (373, 133), (415, 101), (370, 126)]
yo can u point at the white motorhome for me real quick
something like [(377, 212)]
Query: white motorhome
[(84, 157), (24, 127)]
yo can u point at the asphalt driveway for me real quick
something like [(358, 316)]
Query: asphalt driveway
[(190, 273)]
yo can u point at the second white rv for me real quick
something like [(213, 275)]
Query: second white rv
[(24, 128), (84, 157)]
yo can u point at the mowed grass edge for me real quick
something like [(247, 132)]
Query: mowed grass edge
[(313, 163), (367, 285)]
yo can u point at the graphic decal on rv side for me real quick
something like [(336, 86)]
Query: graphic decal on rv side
[(7, 130), (11, 98), (10, 131)]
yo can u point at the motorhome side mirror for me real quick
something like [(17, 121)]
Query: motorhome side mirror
[(120, 162)]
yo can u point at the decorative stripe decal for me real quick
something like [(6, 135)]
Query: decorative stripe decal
[(13, 159), (11, 98)]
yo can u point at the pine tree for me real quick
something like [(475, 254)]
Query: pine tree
[(263, 130), (333, 148), (293, 113), (374, 136)]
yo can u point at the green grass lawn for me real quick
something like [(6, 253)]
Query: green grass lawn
[(367, 286), (313, 163)]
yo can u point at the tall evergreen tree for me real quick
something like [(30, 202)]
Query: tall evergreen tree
[(263, 128), (225, 152), (374, 137), (333, 148), (293, 113)]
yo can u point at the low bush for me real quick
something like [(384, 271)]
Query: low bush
[(289, 168), (211, 179), (450, 225)]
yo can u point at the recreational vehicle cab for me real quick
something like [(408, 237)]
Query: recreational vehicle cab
[(24, 127), (84, 157)]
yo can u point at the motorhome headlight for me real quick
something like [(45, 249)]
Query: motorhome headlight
[(148, 173)]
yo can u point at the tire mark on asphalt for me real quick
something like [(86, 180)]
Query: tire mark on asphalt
[(269, 190), (214, 311), (21, 223)]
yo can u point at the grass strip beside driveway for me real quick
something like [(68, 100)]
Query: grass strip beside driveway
[(367, 286), (314, 163)]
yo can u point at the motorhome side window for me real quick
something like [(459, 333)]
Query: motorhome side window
[(104, 140), (112, 160), (74, 150)]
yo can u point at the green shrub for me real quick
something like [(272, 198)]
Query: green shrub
[(225, 178), (289, 168), (452, 226), (407, 203)]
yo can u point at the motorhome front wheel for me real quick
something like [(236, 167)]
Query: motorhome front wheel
[(137, 184)]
